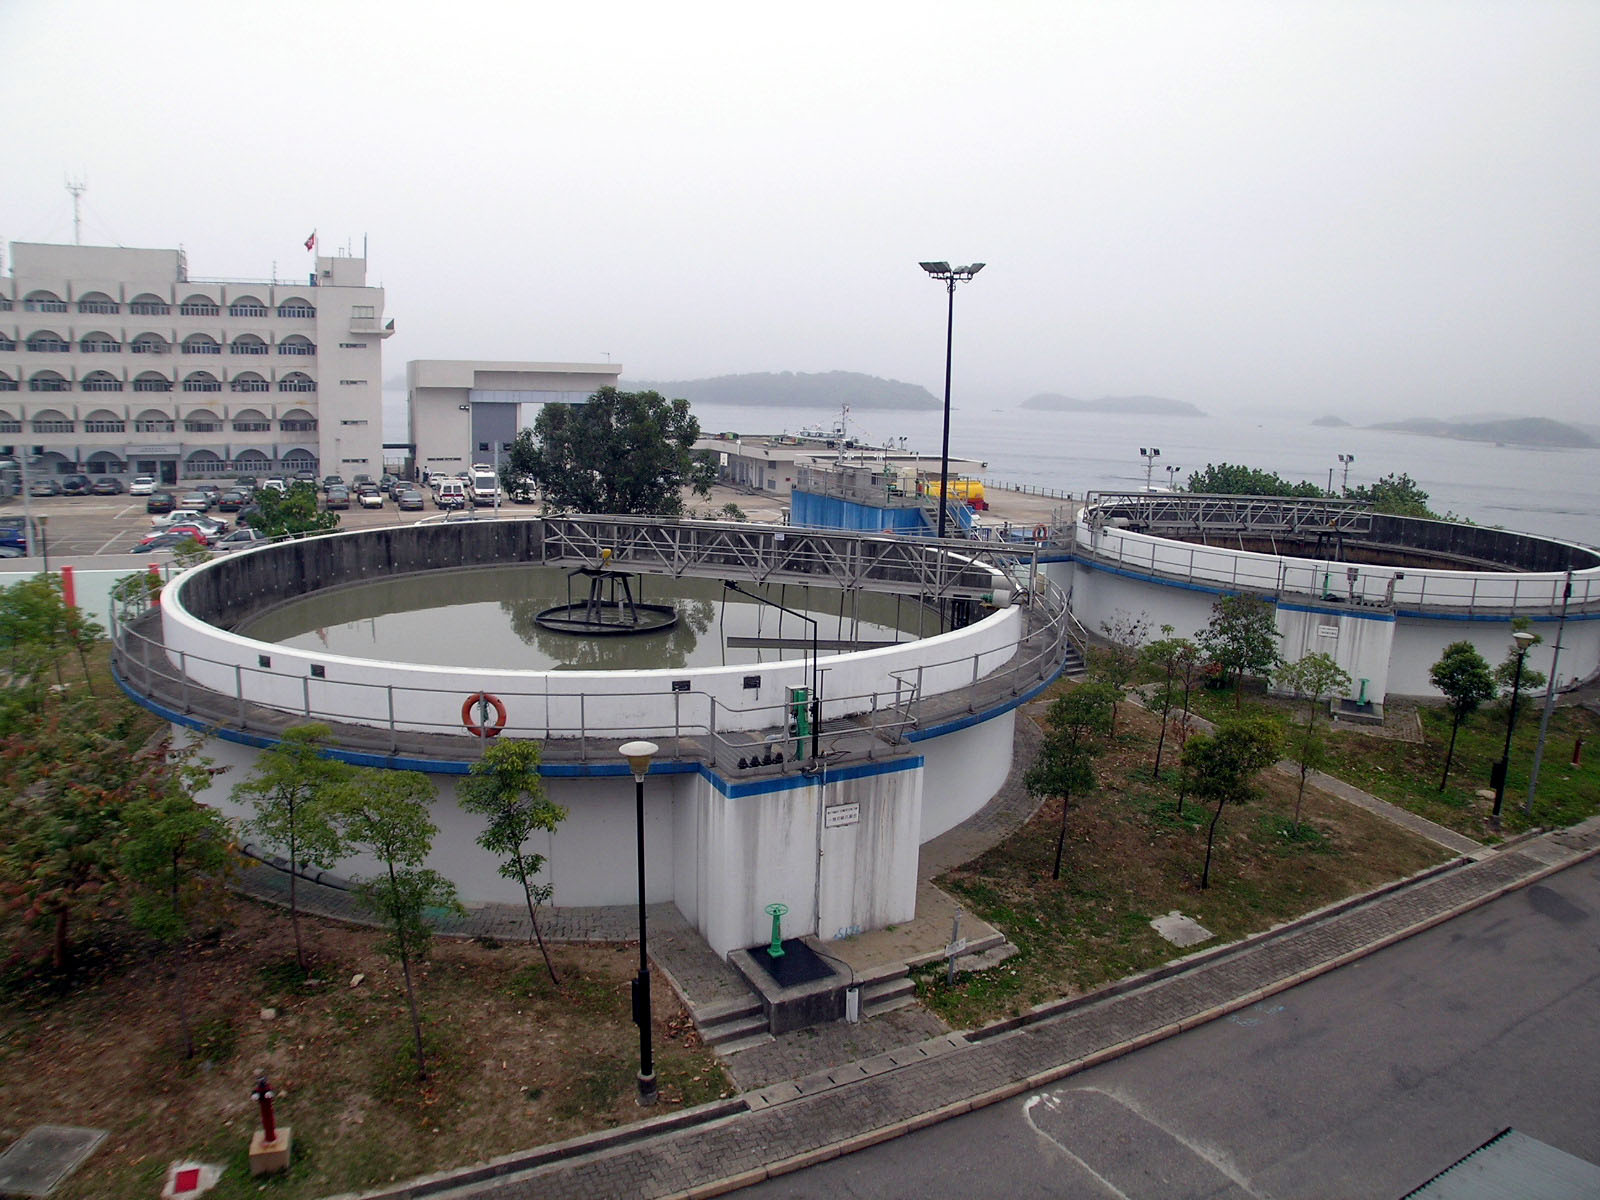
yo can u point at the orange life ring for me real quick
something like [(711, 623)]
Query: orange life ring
[(1040, 532), (488, 729)]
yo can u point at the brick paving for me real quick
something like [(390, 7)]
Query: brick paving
[(889, 1097)]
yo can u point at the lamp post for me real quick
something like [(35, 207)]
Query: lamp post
[(1172, 478), (1346, 460), (1522, 640), (44, 541), (1149, 454), (639, 755), (949, 276), (816, 697), (1549, 699)]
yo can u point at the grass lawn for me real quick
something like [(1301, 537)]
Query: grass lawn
[(515, 1061), (1131, 856)]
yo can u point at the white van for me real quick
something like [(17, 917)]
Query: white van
[(485, 487), (450, 493)]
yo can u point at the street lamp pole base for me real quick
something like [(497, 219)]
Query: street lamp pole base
[(647, 1090)]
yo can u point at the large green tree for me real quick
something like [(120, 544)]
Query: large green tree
[(296, 792), (505, 786), (291, 513), (626, 453), (1396, 494), (1463, 675), (1078, 724), (1241, 638)]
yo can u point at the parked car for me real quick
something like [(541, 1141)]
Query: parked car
[(160, 502), (276, 483), (306, 477), (239, 538), (359, 481), (242, 521), (187, 516), (451, 493), (196, 499), (142, 485), (162, 541), (210, 489), (408, 499), (75, 485), (386, 483), (200, 533), (332, 481), (338, 497), (232, 501), (245, 481), (368, 496), (13, 537), (106, 485), (44, 487)]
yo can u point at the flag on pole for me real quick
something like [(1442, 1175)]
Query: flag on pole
[(311, 242)]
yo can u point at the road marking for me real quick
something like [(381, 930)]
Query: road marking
[(1052, 1103)]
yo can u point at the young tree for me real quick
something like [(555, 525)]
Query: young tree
[(505, 786), (1078, 721), (174, 859), (1174, 661), (290, 513), (1229, 479), (1223, 766), (1242, 639), (1316, 677), (1117, 662), (628, 453), (386, 813), (295, 792), (1506, 675), (1463, 675)]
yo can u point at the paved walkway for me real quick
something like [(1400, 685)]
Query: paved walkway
[(734, 1143)]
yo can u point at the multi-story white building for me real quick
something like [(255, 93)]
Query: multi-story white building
[(118, 362)]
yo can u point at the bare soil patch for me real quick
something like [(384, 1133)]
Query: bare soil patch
[(515, 1061)]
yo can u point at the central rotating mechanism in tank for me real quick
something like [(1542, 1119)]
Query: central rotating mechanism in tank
[(610, 609)]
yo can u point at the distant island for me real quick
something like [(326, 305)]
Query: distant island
[(1515, 431), (794, 389), (1158, 406), (1332, 422)]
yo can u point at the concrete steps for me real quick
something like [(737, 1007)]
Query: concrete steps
[(732, 1025), (1075, 667)]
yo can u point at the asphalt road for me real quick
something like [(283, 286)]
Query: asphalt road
[(1362, 1083)]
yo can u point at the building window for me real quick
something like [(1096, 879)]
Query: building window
[(297, 426), (100, 343), (47, 425), (101, 381), (152, 383), (202, 426), (249, 344), (47, 302), (146, 305), (154, 426), (247, 306), (352, 345), (296, 345), (98, 302), (352, 422), (364, 312), (46, 342), (6, 343), (93, 426), (201, 344), (148, 343), (249, 383), (48, 383), (198, 306), (353, 383), (202, 381), (296, 308)]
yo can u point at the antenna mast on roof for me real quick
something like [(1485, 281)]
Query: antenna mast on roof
[(77, 187)]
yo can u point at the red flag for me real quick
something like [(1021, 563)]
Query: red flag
[(311, 242)]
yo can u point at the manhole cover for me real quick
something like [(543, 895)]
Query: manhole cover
[(44, 1156), (1181, 930)]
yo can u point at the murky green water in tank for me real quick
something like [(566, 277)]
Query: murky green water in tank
[(485, 618)]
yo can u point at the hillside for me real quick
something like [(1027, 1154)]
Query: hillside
[(795, 389), (1516, 431), (1150, 405)]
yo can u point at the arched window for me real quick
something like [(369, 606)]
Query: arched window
[(253, 462), (149, 343), (103, 462), (6, 341), (43, 301), (48, 381), (201, 343), (251, 420), (101, 381), (299, 459), (199, 306), (51, 420), (153, 420), (294, 306), (7, 384), (150, 381), (296, 344), (203, 462), (202, 420), (248, 381), (97, 302), (103, 420), (201, 381), (48, 341), (99, 343), (9, 421), (149, 305), (297, 381), (297, 420), (247, 306), (247, 343)]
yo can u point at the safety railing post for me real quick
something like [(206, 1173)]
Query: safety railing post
[(394, 734), (305, 695), (238, 690), (183, 677)]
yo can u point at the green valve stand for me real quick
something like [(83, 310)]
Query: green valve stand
[(776, 911)]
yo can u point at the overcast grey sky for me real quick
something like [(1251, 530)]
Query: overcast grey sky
[(1393, 207)]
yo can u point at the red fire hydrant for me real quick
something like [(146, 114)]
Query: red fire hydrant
[(263, 1096)]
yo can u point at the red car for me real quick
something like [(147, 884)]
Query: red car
[(203, 536)]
